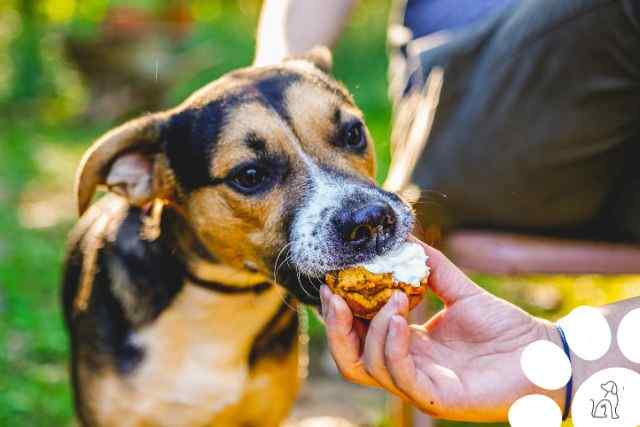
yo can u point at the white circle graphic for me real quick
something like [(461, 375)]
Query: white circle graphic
[(629, 335), (535, 410), (608, 398), (546, 365), (588, 332)]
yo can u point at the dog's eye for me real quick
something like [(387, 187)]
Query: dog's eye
[(250, 179), (354, 138)]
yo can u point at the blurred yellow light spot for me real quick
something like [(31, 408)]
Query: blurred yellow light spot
[(59, 10), (206, 10), (92, 10)]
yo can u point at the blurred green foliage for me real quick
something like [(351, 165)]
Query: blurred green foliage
[(45, 126)]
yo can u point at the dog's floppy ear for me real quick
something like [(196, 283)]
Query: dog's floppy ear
[(610, 387), (125, 159), (321, 57)]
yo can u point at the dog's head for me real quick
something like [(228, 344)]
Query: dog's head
[(610, 387), (267, 165)]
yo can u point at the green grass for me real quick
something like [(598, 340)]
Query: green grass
[(34, 387)]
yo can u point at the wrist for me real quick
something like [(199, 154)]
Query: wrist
[(564, 396)]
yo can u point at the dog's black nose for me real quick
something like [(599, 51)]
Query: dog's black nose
[(369, 224)]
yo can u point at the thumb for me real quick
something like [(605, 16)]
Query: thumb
[(446, 280)]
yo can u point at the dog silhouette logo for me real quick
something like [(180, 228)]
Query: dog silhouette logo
[(607, 407), (599, 401)]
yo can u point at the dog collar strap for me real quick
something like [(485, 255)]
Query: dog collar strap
[(226, 289), (569, 388)]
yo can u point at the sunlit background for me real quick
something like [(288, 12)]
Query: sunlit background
[(71, 69)]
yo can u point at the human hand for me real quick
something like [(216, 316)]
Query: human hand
[(463, 364)]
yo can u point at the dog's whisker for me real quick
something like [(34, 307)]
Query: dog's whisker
[(433, 192), (276, 266), (317, 282), (285, 261), (301, 284), (429, 197), (427, 203)]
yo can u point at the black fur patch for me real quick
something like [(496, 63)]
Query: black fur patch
[(155, 272), (255, 143), (336, 119), (272, 90), (154, 275), (305, 288), (189, 140), (190, 136), (275, 339), (228, 289)]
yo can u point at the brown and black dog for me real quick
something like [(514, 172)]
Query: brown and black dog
[(228, 210)]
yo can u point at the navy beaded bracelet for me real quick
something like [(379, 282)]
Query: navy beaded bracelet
[(569, 389)]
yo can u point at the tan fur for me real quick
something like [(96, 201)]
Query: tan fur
[(242, 228), (271, 391), (311, 109), (91, 247), (195, 367)]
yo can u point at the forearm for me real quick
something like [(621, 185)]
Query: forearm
[(614, 357), (290, 27)]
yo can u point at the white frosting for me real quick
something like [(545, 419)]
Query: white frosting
[(407, 263)]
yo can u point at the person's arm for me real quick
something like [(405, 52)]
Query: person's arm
[(292, 27), (614, 313), (464, 363)]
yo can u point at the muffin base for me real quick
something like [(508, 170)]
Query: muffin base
[(366, 293)]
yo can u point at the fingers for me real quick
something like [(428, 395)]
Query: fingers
[(373, 355), (446, 280), (374, 347), (402, 368), (399, 362), (343, 339)]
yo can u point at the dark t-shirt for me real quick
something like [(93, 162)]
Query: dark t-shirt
[(538, 123)]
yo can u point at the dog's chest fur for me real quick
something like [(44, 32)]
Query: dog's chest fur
[(195, 364), (153, 348)]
